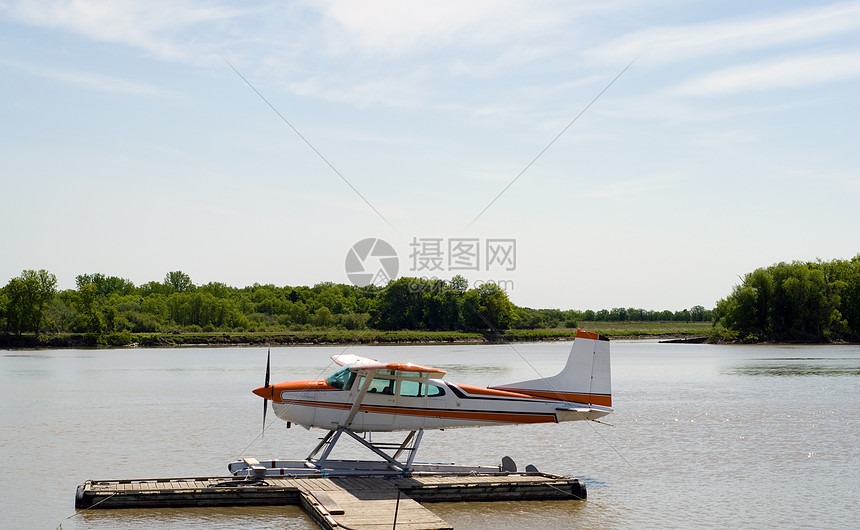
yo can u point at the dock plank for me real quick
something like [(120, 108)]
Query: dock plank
[(327, 502), (374, 509)]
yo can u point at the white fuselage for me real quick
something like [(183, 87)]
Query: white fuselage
[(367, 395), (445, 405)]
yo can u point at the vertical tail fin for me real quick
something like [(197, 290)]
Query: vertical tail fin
[(586, 378)]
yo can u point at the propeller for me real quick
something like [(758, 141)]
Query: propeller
[(266, 386)]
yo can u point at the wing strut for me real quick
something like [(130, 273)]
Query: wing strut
[(368, 379)]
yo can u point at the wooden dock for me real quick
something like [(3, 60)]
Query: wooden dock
[(358, 502)]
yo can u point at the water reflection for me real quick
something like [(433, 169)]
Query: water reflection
[(290, 517), (591, 483), (468, 368), (533, 514), (798, 368)]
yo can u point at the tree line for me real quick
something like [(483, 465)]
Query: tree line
[(103, 305), (798, 301)]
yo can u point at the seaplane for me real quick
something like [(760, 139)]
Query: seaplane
[(367, 396)]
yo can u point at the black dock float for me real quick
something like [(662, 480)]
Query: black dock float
[(184, 492), (350, 501)]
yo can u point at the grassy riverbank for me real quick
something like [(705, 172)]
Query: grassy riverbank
[(617, 330)]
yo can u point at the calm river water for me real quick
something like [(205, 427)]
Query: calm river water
[(708, 436)]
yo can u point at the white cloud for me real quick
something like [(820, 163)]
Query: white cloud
[(149, 25), (667, 44), (395, 27), (785, 73)]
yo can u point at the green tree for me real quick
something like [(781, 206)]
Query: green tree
[(528, 318), (848, 272), (459, 284), (323, 318), (59, 314), (180, 281), (499, 309), (814, 301), (473, 311), (299, 313), (4, 304), (618, 314), (154, 287), (487, 308), (106, 285), (88, 308), (218, 289), (400, 306), (354, 321), (739, 312), (697, 313), (155, 305), (452, 309), (27, 297), (431, 309)]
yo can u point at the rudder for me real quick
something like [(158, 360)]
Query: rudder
[(586, 378)]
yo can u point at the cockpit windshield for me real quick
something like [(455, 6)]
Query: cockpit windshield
[(342, 379)]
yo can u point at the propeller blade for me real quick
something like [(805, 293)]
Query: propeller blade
[(265, 400), (268, 365), (265, 408)]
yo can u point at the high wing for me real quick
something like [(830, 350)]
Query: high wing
[(359, 364), (344, 359), (416, 368)]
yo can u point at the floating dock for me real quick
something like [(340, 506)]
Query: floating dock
[(352, 501)]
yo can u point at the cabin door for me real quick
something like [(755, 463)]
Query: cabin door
[(378, 407)]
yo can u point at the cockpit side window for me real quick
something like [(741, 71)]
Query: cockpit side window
[(435, 391), (412, 388), (382, 386), (379, 385), (342, 379)]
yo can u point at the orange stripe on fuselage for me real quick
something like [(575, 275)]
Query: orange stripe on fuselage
[(307, 385), (590, 399), (320, 404), (481, 391)]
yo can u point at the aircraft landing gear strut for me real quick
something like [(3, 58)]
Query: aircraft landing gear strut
[(410, 444)]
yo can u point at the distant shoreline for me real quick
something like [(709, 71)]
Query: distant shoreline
[(669, 332), (337, 338), (320, 338), (692, 333)]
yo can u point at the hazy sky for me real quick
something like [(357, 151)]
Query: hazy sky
[(131, 148)]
